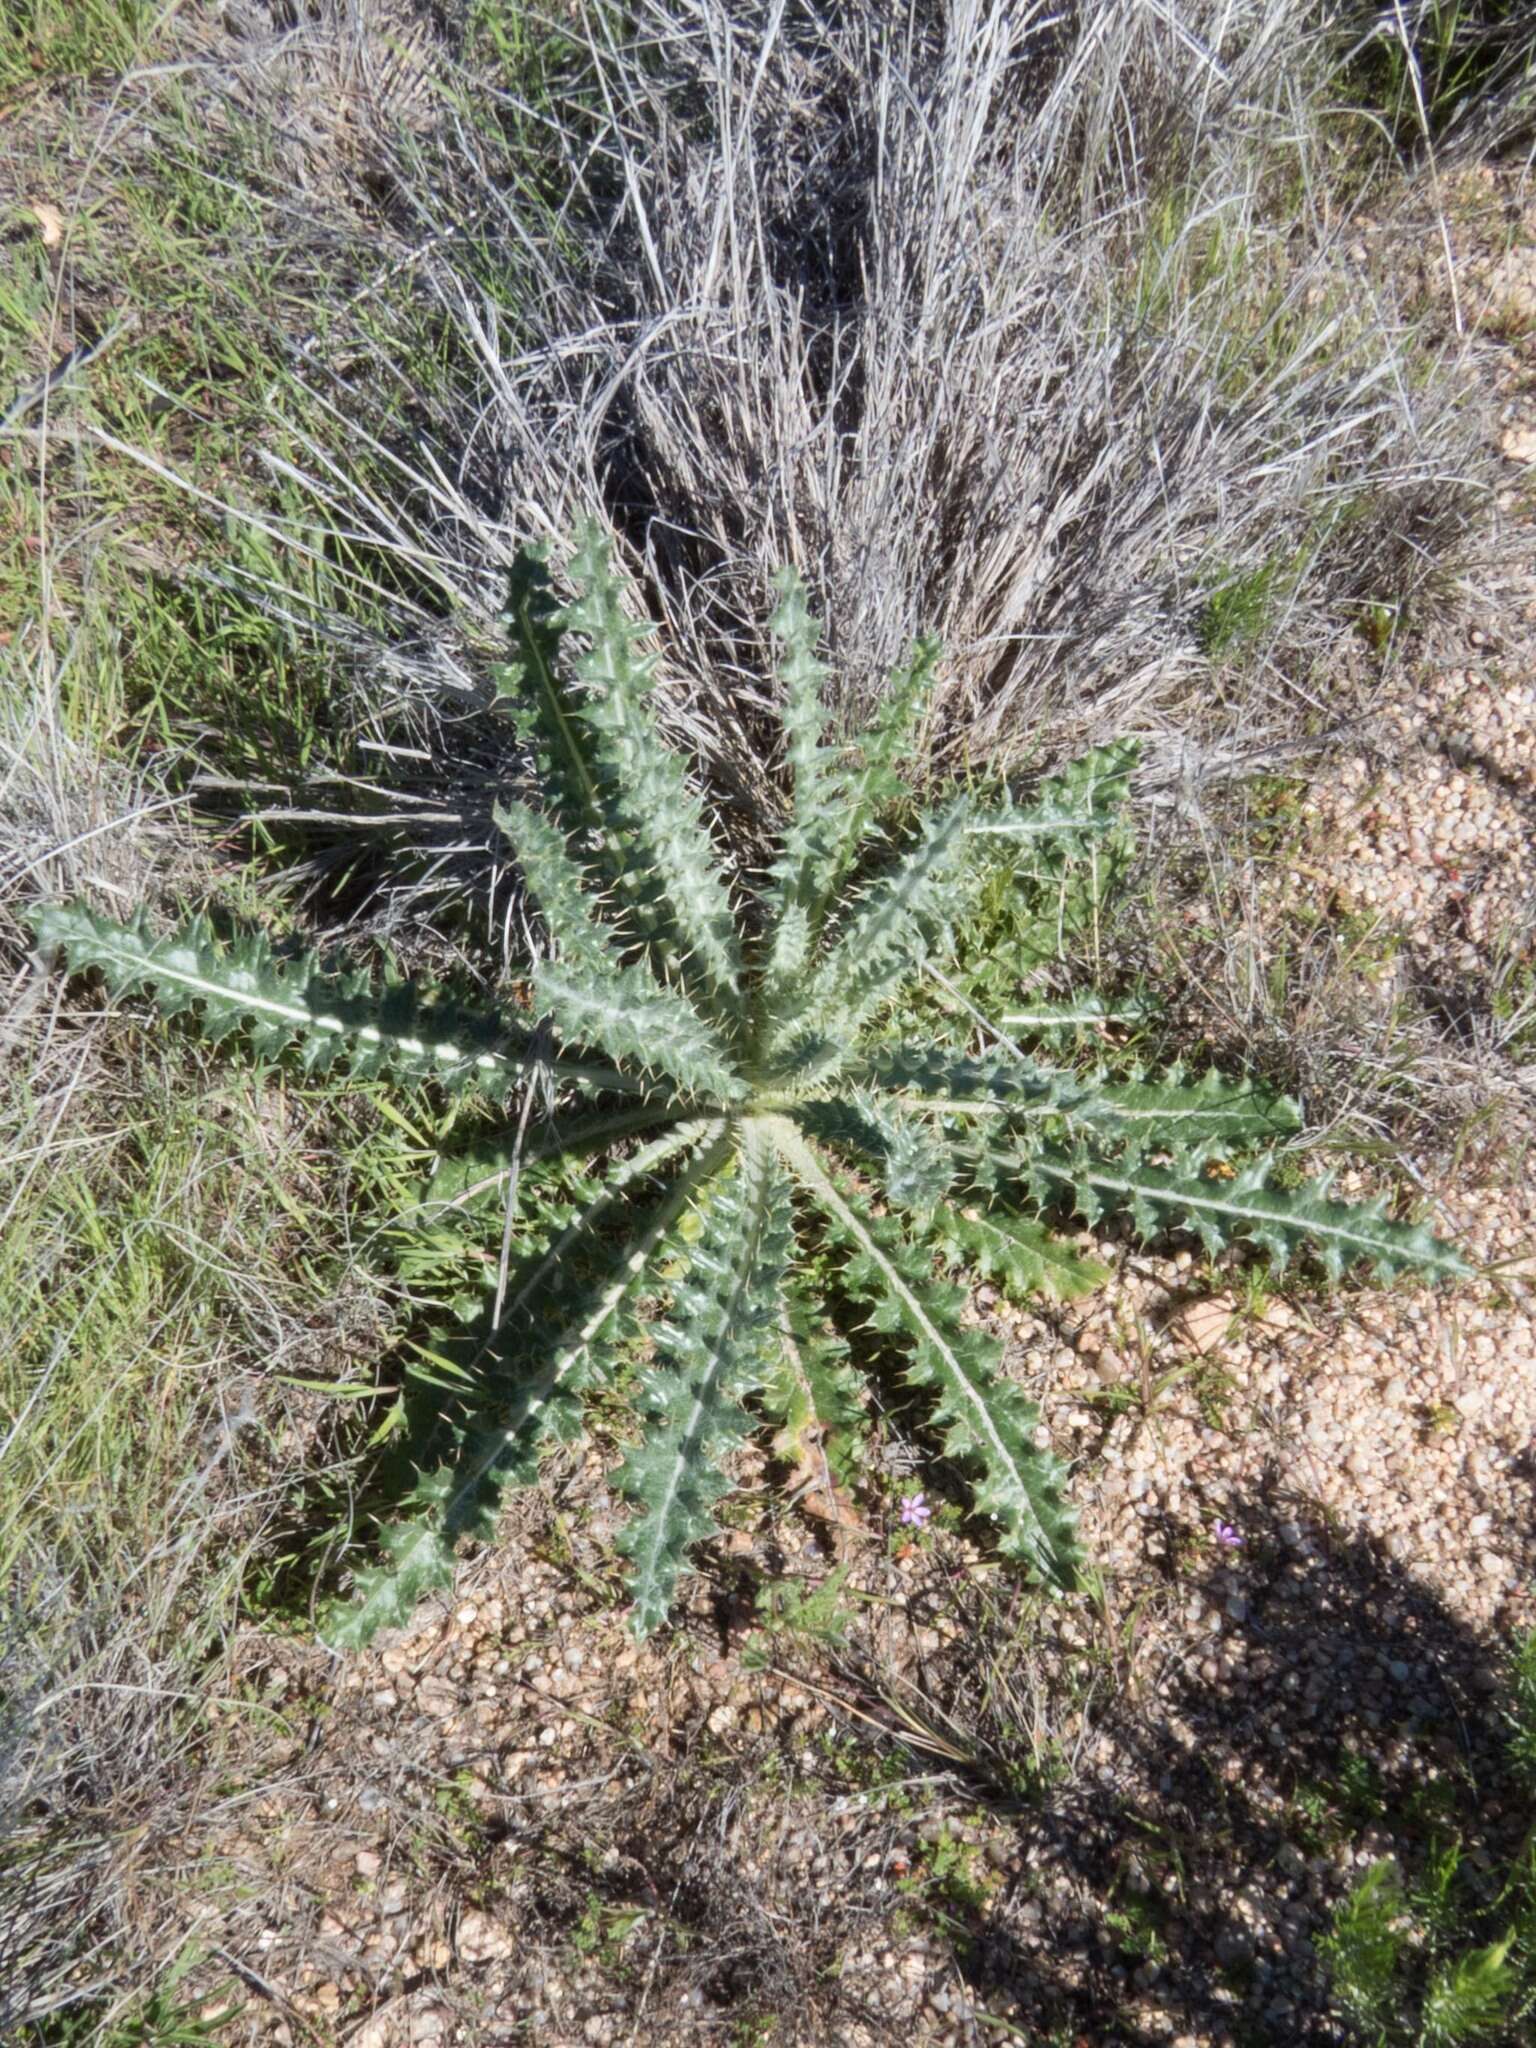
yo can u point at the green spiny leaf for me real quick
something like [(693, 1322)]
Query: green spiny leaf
[(817, 812), (987, 1424), (321, 1016), (628, 1017), (835, 813), (647, 969), (877, 778), (418, 1560), (928, 1077), (566, 893), (913, 1164), (1073, 1013), (483, 1168), (547, 1349), (1174, 1113), (1282, 1220), (814, 1393), (1022, 1256), (592, 995), (715, 1347), (529, 688), (669, 869), (1084, 799), (878, 945)]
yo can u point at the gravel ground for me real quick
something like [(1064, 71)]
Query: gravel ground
[(959, 1814), (515, 1823)]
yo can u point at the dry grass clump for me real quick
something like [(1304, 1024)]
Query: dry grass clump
[(165, 1245), (1036, 328), (150, 1305), (170, 1248)]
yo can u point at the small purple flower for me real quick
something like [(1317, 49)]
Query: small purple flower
[(1227, 1536), (915, 1512)]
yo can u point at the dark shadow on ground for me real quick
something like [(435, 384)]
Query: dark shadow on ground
[(1367, 1720)]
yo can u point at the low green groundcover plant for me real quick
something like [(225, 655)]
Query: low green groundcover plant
[(1408, 1957), (712, 1125)]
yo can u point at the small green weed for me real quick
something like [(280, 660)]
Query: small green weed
[(753, 2030), (802, 1613), (1214, 1390), (949, 1878), (1236, 614), (163, 2019), (1136, 1924), (1438, 1963), (604, 1928), (455, 1801), (1522, 1710)]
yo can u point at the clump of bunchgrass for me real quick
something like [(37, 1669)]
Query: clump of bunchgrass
[(1443, 77), (1037, 329)]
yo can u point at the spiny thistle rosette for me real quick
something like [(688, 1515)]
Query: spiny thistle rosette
[(724, 1093)]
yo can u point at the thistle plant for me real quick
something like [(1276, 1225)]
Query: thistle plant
[(710, 1129)]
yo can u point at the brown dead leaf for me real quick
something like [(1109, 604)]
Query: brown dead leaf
[(811, 1480), (50, 222)]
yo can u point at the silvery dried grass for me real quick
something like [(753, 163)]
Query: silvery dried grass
[(1033, 327)]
